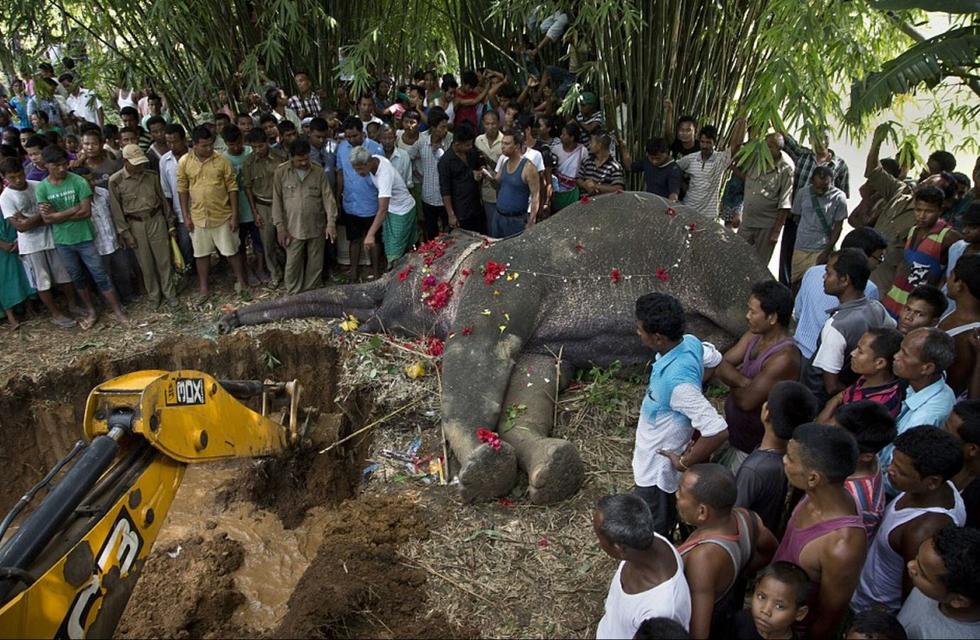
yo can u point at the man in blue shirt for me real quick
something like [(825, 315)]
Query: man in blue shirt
[(925, 355), (358, 195), (673, 408), (810, 310)]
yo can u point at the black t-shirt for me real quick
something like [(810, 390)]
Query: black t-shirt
[(663, 180), (761, 484), (456, 181), (678, 150)]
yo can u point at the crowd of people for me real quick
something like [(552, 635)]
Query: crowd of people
[(837, 488)]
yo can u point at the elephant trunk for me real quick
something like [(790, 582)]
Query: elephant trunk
[(361, 301)]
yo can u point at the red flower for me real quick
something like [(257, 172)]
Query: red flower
[(615, 276), (466, 272), (467, 331), (585, 199), (493, 270), (430, 281), (505, 502), (433, 249), (579, 247), (488, 437), (438, 297), (435, 347), (662, 274), (543, 542), (692, 227), (671, 211), (403, 274)]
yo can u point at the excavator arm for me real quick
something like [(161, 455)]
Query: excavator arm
[(71, 565)]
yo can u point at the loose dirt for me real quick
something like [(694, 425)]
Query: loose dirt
[(279, 546)]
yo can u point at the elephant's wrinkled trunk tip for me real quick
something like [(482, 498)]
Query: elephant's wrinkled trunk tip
[(228, 323)]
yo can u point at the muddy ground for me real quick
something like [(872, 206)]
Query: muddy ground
[(309, 546)]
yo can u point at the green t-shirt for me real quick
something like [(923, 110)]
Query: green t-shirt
[(70, 193), (237, 162)]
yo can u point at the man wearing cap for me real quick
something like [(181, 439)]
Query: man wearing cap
[(589, 117), (144, 220)]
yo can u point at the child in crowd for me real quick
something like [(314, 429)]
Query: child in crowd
[(761, 481), (873, 428), (871, 359), (875, 624), (111, 134), (778, 603)]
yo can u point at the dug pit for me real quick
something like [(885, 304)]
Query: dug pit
[(274, 547)]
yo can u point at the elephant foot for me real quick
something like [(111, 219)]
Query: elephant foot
[(554, 471), (488, 473)]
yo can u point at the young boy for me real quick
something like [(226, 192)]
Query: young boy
[(874, 624), (128, 136), (871, 359), (945, 600), (34, 241), (926, 248), (968, 245), (924, 460), (761, 482), (873, 428), (110, 133), (36, 170), (925, 306), (778, 603), (673, 408), (65, 201)]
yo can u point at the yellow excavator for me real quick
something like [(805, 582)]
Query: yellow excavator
[(69, 567)]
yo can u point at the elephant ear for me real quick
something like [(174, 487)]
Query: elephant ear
[(927, 62), (945, 6)]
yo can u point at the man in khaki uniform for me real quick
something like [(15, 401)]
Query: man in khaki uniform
[(258, 171), (143, 219), (897, 214), (768, 199), (305, 213)]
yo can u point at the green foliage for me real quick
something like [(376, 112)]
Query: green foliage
[(602, 389), (270, 360), (925, 63), (945, 6), (511, 414)]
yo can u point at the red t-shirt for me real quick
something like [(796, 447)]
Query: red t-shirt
[(467, 113)]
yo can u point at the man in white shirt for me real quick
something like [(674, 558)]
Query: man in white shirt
[(706, 169), (396, 206), (673, 408), (176, 139), (82, 102), (649, 581)]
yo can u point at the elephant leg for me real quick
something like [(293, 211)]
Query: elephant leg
[(554, 469)]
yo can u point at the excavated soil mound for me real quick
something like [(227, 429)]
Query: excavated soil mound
[(356, 586), (199, 605)]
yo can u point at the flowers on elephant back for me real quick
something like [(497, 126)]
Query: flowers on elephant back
[(404, 273), (434, 249), (436, 294), (488, 437), (615, 276), (493, 270)]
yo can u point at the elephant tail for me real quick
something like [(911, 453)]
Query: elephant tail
[(359, 300)]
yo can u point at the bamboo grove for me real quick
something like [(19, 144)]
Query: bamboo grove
[(779, 62)]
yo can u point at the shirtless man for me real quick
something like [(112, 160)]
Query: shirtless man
[(725, 537), (825, 535)]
